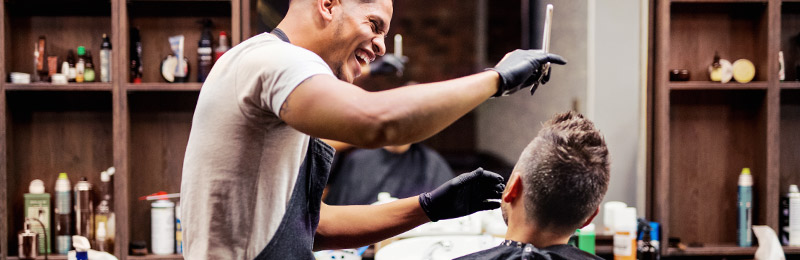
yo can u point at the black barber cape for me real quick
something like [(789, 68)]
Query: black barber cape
[(359, 176), (512, 250)]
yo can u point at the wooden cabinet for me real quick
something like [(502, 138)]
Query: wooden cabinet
[(705, 132), (83, 128)]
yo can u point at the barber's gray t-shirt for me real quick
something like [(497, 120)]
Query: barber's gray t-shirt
[(242, 160)]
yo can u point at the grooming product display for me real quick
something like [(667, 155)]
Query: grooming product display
[(679, 75), (222, 47), (743, 70), (105, 60), (744, 235), (794, 216), (625, 234), (205, 58), (162, 227), (84, 209), (181, 71), (63, 217), (80, 65), (135, 56), (28, 243), (37, 206)]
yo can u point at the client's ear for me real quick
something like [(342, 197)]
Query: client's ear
[(513, 189), (589, 220)]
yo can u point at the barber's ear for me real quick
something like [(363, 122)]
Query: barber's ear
[(513, 189), (325, 8), (589, 220)]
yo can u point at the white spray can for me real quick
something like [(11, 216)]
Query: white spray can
[(162, 227), (794, 216)]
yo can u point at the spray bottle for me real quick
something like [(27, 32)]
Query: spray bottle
[(84, 209), (104, 218), (63, 210), (204, 52), (744, 236), (794, 216), (105, 59)]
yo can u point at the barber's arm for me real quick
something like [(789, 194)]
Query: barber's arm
[(325, 107), (355, 226)]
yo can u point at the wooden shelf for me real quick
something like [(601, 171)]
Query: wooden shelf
[(708, 85), (790, 85), (191, 86), (604, 250), (43, 86), (721, 1), (160, 257), (724, 250), (53, 257)]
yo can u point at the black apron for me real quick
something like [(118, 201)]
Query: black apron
[(294, 238)]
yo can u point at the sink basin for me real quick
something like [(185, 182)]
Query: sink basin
[(436, 247)]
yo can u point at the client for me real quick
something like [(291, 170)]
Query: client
[(555, 188)]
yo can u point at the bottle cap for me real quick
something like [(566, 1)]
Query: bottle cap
[(793, 189), (222, 33), (81, 50), (745, 171), (104, 177), (36, 187), (62, 175)]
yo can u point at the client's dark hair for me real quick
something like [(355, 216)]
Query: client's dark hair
[(565, 172)]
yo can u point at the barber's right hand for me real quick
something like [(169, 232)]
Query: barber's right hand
[(521, 68)]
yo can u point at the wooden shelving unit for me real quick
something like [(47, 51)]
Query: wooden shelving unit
[(704, 132), (83, 128)]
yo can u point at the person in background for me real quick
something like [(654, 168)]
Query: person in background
[(555, 188), (254, 169), (401, 170)]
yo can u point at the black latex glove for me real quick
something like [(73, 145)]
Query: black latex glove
[(388, 64), (522, 68), (463, 195)]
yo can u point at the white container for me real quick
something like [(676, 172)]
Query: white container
[(162, 227), (625, 234), (794, 216), (609, 213)]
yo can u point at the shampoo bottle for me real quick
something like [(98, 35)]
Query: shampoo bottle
[(625, 234), (204, 52), (37, 206), (745, 205), (105, 59), (162, 227)]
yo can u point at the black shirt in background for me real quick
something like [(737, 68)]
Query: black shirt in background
[(511, 250), (360, 175)]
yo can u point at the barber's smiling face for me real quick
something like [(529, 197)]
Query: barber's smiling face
[(359, 31)]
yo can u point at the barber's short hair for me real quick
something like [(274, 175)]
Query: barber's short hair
[(565, 172)]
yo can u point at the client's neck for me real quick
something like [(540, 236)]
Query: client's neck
[(523, 231)]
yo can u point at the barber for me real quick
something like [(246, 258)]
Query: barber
[(254, 169)]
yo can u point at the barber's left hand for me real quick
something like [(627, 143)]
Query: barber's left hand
[(388, 64), (463, 195)]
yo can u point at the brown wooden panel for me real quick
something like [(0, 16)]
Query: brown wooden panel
[(54, 132), (736, 31), (713, 135), (178, 18), (159, 130), (790, 140)]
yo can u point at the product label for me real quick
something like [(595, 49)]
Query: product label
[(745, 237), (624, 246), (38, 207), (63, 202), (162, 230), (794, 222), (105, 66), (63, 244)]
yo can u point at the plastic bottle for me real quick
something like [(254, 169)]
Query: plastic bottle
[(794, 216), (646, 249), (162, 227), (178, 230), (222, 47), (135, 56), (63, 210), (586, 238), (89, 74), (103, 214), (105, 60), (609, 213), (80, 66), (625, 234), (71, 73), (37, 206), (84, 209), (745, 205), (204, 59), (100, 237)]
